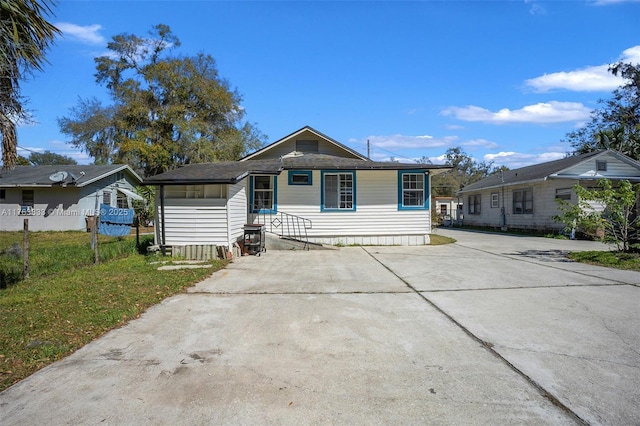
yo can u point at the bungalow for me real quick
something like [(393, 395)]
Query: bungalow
[(62, 198), (305, 186), (525, 198)]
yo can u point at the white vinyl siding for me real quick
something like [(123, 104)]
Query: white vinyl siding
[(204, 221), (615, 168), (377, 219)]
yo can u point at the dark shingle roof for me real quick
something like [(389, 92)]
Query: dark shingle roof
[(77, 175), (224, 172), (530, 173), (325, 162), (235, 171)]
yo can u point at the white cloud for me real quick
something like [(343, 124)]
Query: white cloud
[(409, 142), (515, 160), (536, 8), (89, 34), (610, 2), (541, 113), (482, 143), (588, 79)]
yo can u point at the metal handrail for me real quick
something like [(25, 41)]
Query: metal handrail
[(285, 225)]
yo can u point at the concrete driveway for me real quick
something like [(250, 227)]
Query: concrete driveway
[(494, 329)]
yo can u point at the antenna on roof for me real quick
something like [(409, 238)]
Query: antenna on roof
[(58, 177)]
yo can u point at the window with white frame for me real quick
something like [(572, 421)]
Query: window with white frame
[(263, 194), (563, 194), (474, 204), (338, 191), (122, 202), (495, 200), (27, 202), (412, 190), (523, 201)]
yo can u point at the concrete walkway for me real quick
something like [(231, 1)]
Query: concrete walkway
[(494, 329)]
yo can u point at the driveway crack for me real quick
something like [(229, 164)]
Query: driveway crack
[(489, 347)]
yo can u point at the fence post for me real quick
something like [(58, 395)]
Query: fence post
[(25, 249)]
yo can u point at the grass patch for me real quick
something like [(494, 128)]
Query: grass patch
[(438, 240), (61, 308), (610, 259)]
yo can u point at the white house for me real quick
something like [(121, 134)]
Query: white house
[(525, 198), (306, 186), (61, 198)]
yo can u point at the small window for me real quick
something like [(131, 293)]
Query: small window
[(563, 194), (495, 200), (26, 206), (523, 201), (474, 204), (3, 194), (443, 209), (601, 166), (106, 198), (300, 178)]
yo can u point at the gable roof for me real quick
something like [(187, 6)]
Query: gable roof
[(75, 176), (543, 171), (345, 148)]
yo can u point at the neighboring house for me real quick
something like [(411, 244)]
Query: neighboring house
[(448, 209), (525, 198), (63, 197), (304, 180)]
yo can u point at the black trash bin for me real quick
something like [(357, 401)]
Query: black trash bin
[(254, 239)]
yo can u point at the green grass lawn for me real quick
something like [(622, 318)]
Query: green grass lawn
[(610, 259), (68, 301)]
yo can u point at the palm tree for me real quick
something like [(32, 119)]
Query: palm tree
[(25, 34)]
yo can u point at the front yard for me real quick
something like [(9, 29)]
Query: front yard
[(68, 301)]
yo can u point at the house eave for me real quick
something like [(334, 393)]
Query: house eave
[(502, 185), (595, 177)]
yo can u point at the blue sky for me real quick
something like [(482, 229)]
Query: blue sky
[(504, 80)]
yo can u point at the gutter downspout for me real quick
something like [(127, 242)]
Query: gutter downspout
[(163, 238), (503, 227)]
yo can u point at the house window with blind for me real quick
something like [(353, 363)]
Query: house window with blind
[(263, 194), (523, 201), (474, 204), (338, 191)]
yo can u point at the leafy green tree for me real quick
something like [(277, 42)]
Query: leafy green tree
[(167, 111), (25, 35), (145, 209), (616, 125), (465, 171), (49, 158), (608, 208)]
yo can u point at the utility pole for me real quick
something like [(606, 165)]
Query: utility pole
[(368, 150)]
